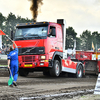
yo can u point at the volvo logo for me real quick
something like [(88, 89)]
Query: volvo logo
[(40, 50)]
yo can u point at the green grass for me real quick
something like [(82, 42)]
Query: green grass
[(4, 65)]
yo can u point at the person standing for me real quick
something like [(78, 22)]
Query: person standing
[(13, 63)]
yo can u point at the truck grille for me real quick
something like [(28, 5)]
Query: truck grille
[(31, 51), (28, 58)]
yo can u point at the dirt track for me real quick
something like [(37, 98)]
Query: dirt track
[(39, 87), (3, 62)]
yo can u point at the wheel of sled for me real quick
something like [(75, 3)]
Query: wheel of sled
[(79, 71)]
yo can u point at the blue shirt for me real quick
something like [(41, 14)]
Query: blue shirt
[(13, 55)]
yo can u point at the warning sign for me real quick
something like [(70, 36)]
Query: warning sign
[(93, 57), (98, 57)]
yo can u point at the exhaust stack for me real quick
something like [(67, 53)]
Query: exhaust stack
[(63, 24)]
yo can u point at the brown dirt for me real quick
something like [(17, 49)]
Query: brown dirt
[(3, 62), (39, 87)]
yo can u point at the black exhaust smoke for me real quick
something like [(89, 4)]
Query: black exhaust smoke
[(34, 8)]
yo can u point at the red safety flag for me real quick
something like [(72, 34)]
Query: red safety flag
[(2, 33)]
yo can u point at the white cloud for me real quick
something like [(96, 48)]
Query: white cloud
[(80, 14), (18, 7)]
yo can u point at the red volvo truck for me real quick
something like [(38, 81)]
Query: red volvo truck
[(42, 48)]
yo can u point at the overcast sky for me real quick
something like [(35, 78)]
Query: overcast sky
[(80, 14)]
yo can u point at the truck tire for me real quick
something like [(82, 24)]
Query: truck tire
[(55, 70), (23, 72), (79, 71)]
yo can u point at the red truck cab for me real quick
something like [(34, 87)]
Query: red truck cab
[(41, 48), (37, 45)]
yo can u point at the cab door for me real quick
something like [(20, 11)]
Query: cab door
[(52, 41)]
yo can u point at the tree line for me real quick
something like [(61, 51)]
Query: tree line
[(7, 24), (83, 42)]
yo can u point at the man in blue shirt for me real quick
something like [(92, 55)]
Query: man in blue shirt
[(13, 62)]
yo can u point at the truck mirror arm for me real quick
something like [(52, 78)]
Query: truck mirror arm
[(48, 35), (12, 35)]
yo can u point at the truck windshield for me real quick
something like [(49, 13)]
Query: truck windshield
[(28, 33)]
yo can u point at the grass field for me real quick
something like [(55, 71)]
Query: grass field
[(3, 65)]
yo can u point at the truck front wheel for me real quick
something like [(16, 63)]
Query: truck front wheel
[(55, 70), (23, 72)]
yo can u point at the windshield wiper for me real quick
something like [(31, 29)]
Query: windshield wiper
[(36, 35), (20, 37)]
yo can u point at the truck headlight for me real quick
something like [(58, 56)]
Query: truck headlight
[(42, 57)]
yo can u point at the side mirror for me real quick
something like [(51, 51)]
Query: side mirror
[(48, 35), (53, 32), (12, 35)]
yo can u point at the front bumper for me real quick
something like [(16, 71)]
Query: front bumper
[(27, 61)]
